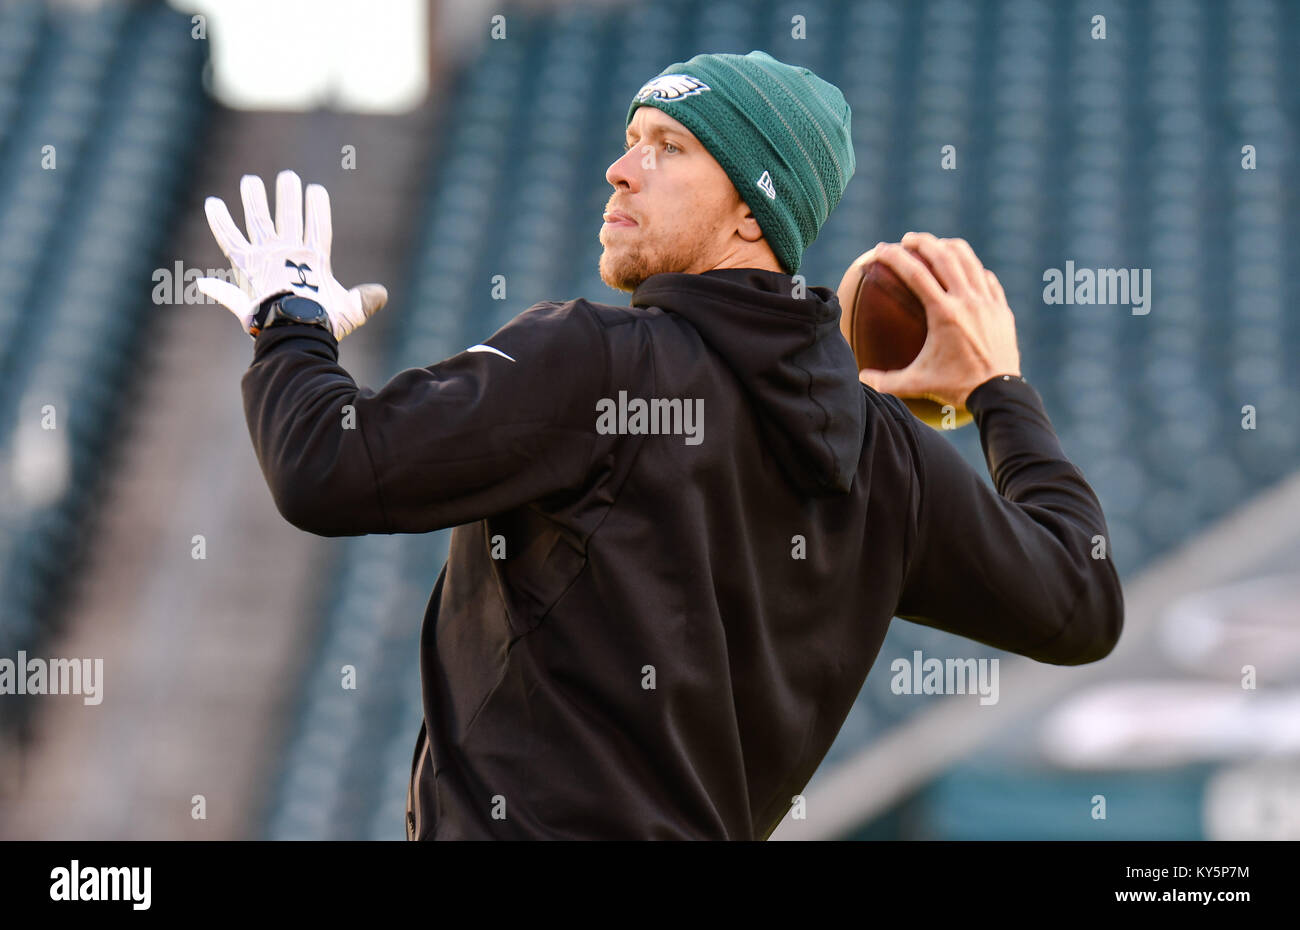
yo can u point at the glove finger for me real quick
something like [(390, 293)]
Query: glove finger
[(370, 297), (288, 206), (229, 239), (257, 215), (223, 292), (320, 233)]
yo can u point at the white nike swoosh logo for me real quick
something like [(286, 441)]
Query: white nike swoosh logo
[(482, 348)]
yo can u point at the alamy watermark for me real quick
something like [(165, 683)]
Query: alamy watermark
[(53, 676), (177, 285), (637, 416), (1099, 286), (105, 883), (945, 676)]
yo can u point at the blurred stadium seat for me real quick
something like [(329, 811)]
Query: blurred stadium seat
[(109, 102)]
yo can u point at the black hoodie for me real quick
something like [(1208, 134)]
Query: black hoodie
[(658, 634)]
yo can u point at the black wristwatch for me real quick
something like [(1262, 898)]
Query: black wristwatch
[(289, 308)]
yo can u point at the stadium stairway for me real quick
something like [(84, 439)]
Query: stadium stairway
[(202, 656)]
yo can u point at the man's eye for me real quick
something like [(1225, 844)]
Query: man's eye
[(667, 146)]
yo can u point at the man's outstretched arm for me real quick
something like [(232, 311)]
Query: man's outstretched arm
[(479, 433)]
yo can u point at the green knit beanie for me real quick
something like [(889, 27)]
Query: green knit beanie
[(780, 132)]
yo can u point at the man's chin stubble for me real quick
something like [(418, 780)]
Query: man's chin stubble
[(624, 272)]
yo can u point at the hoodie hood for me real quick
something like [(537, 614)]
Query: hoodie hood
[(790, 357)]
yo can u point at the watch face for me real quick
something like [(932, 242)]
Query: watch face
[(303, 310)]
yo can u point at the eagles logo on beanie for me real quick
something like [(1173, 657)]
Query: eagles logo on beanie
[(781, 134)]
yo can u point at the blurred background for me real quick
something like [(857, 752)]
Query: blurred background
[(464, 140)]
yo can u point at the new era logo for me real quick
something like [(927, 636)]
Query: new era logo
[(766, 186)]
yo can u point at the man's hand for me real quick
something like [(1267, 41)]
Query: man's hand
[(278, 259), (971, 330)]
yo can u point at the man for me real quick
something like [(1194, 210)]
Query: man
[(682, 526)]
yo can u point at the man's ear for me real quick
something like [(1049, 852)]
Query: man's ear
[(748, 227)]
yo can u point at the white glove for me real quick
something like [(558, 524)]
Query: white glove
[(279, 260)]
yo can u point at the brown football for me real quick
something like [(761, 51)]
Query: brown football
[(884, 323)]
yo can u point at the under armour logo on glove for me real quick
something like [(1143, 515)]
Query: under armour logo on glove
[(302, 274), (277, 256)]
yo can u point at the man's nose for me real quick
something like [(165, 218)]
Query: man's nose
[(625, 171)]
